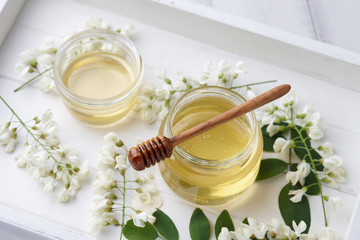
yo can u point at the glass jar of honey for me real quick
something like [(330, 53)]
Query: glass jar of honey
[(216, 167), (98, 73)]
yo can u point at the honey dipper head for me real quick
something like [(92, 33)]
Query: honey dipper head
[(135, 159), (150, 152)]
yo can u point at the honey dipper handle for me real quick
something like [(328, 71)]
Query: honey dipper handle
[(237, 111)]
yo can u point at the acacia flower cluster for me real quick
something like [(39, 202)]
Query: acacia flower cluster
[(297, 129), (55, 165), (111, 203), (154, 103), (40, 61), (275, 230)]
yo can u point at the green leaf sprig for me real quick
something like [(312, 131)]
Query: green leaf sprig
[(287, 131)]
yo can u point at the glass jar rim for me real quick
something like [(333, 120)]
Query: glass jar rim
[(96, 33), (219, 92)]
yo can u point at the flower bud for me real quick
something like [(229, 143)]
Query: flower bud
[(235, 75), (68, 165), (168, 81), (292, 144), (34, 63), (37, 120), (113, 184), (325, 180), (120, 143), (76, 169), (105, 223), (220, 75), (139, 190), (110, 203), (115, 222), (112, 196), (277, 120)]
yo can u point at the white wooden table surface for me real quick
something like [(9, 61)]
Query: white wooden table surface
[(328, 21), (41, 212)]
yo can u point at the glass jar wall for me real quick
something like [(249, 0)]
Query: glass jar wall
[(98, 73)]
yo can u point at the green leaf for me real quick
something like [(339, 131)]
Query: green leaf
[(199, 226), (270, 167), (269, 141), (165, 226), (245, 221), (133, 232), (291, 211), (300, 145), (224, 220), (314, 189)]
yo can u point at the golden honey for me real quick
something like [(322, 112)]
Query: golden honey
[(98, 74), (217, 166)]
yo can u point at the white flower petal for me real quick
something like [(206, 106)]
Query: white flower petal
[(298, 194), (335, 202), (281, 145), (333, 162), (315, 133), (224, 234), (148, 115), (10, 147), (146, 201)]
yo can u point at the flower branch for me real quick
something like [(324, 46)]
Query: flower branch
[(46, 159)]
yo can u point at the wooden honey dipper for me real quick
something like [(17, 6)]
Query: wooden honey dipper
[(159, 148)]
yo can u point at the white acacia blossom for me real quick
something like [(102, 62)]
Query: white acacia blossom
[(298, 194), (40, 61), (140, 218), (275, 230), (56, 166), (281, 145), (303, 170), (113, 183), (154, 103)]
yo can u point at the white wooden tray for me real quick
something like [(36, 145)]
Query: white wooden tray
[(176, 34)]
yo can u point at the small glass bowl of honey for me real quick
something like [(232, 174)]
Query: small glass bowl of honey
[(98, 73)]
